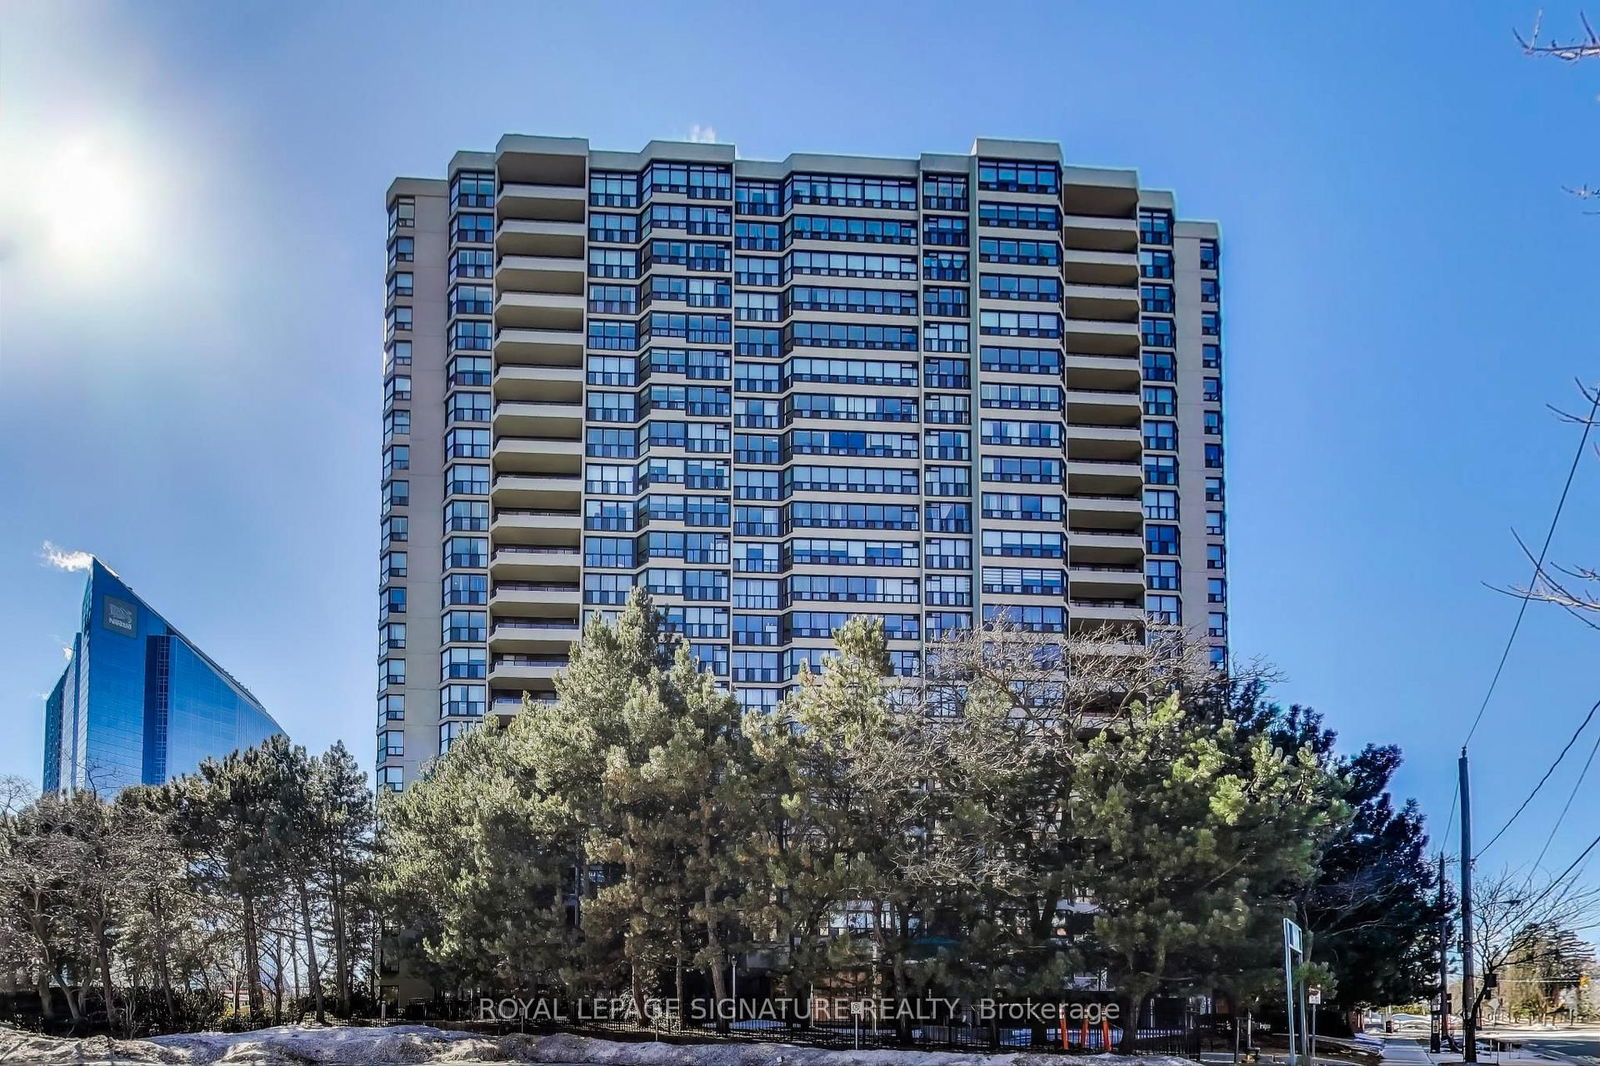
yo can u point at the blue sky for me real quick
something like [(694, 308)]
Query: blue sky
[(189, 335)]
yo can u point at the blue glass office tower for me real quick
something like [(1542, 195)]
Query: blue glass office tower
[(138, 703)]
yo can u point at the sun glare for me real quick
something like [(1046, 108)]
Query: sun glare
[(93, 205)]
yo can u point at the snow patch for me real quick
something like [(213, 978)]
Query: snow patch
[(297, 1045)]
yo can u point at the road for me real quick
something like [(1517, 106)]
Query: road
[(1580, 1045)]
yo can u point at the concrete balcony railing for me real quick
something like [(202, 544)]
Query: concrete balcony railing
[(539, 384), (541, 273)]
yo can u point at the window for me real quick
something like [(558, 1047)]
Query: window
[(1161, 434), (1027, 544), (1213, 423), (1211, 356), (467, 479), (464, 626), (949, 590), (1208, 255), (1211, 390), (1159, 366), (1018, 433), (1020, 360), (946, 337), (1021, 287), (1021, 397), (947, 230), (1164, 610), (463, 664), (402, 213), (1213, 490), (1156, 298), (947, 300), (1161, 470), (1023, 581), (462, 701), (610, 589), (397, 354), (467, 552), (392, 672), (472, 334), (1161, 574), (1036, 619), (1210, 290), (396, 494), (1029, 471), (396, 424), (1214, 456), (474, 228), (471, 263), (613, 188), (392, 564), (392, 707), (944, 192), (1019, 216), (1161, 504), (758, 197), (1155, 264), (1160, 400), (758, 236), (946, 373), (1019, 323), (1210, 323), (947, 481), (949, 517), (843, 191), (1157, 332), (1025, 506), (1216, 557), (1019, 177), (467, 516), (1160, 539), (402, 250), (1155, 226), (755, 593), (949, 553), (1216, 624), (468, 407), (1214, 523), (698, 181), (613, 263), (954, 444), (949, 409), (1216, 590), (398, 319)]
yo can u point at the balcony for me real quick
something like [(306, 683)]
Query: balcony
[(530, 562), (534, 599), (537, 636), (539, 456), (539, 347), (1113, 303), (533, 491), (542, 526), (539, 310), (1109, 510), (1099, 234), (1105, 407), (539, 384), (1104, 477), (1105, 581), (1086, 613), (540, 201), (1086, 267), (532, 673), (538, 419), (517, 236), (541, 273), (1099, 336)]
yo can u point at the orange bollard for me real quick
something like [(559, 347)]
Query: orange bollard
[(1105, 1034), (1084, 1041), (1062, 1022)]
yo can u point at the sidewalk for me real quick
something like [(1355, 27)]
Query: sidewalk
[(1410, 1051)]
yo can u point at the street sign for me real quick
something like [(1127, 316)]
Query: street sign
[(1291, 936), (1314, 996)]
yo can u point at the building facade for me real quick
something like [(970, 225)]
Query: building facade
[(779, 394), (139, 703)]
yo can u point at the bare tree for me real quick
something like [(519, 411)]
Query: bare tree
[(1575, 589), (1511, 910), (1585, 47)]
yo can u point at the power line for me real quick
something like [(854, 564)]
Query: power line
[(1524, 806), (1538, 567), (1576, 786)]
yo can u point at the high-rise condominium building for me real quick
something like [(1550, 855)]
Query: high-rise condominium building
[(138, 703), (780, 394)]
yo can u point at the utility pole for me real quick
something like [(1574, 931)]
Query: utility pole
[(1469, 1013), (1441, 1030)]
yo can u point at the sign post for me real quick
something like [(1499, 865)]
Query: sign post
[(1291, 948)]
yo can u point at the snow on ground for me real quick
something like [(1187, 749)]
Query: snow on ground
[(295, 1045)]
